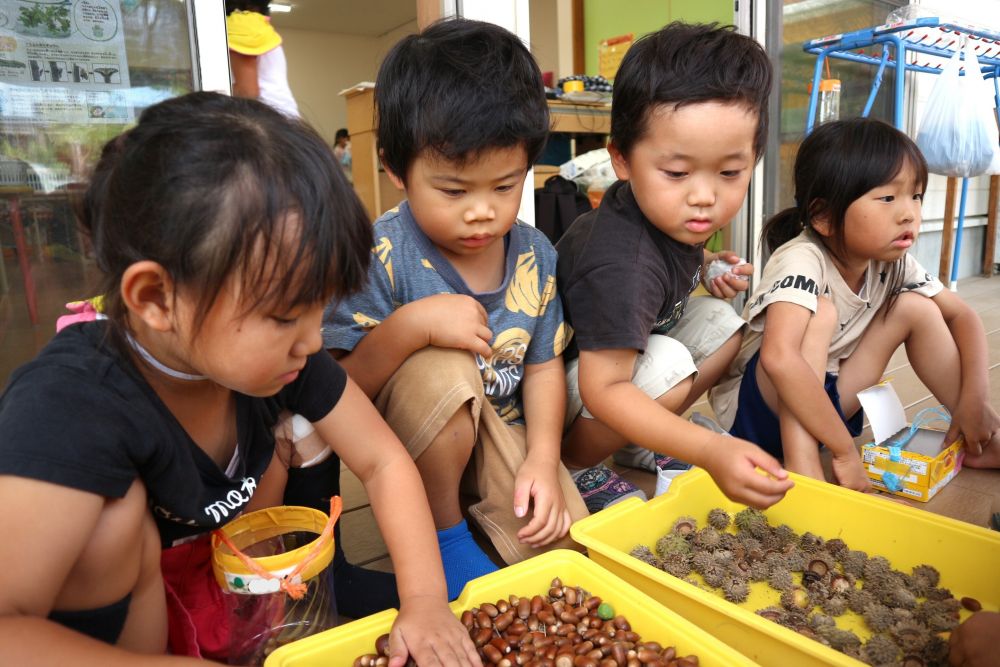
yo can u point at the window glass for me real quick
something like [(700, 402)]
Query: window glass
[(73, 74)]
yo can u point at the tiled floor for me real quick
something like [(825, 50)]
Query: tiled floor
[(973, 496)]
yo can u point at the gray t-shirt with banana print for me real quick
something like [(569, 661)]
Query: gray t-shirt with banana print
[(525, 314)]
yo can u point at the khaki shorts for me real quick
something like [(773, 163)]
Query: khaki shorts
[(423, 395), (707, 323)]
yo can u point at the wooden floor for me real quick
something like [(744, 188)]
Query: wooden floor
[(973, 496)]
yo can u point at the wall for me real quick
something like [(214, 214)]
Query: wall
[(609, 18), (321, 64), (545, 36)]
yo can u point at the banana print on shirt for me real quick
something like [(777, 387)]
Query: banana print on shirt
[(524, 315)]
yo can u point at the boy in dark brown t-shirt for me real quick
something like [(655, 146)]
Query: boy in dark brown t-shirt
[(688, 122)]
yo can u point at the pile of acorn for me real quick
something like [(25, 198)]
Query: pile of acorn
[(569, 627)]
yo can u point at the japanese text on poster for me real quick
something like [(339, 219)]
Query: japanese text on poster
[(63, 61)]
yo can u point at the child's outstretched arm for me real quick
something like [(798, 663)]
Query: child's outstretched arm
[(607, 391), (972, 414), (46, 528), (793, 356), (425, 629), (544, 395), (442, 320)]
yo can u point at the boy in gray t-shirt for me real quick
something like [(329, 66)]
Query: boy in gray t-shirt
[(459, 334)]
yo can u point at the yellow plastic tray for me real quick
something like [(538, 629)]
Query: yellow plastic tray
[(965, 555), (341, 645)]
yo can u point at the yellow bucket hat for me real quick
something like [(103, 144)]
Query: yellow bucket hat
[(251, 33)]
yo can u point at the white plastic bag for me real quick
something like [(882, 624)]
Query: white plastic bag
[(958, 133)]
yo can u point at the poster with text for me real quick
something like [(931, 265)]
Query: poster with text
[(63, 61)]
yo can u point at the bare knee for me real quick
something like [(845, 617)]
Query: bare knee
[(913, 308)]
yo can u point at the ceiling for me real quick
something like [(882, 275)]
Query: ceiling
[(369, 18)]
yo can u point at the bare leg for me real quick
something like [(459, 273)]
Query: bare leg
[(916, 322), (711, 369), (442, 464), (588, 441), (799, 448), (989, 458)]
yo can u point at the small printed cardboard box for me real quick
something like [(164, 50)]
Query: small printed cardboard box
[(931, 465)]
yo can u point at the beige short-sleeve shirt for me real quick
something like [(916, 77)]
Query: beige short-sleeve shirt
[(800, 272)]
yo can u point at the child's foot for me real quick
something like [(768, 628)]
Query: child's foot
[(602, 487), (988, 458), (462, 557), (640, 458)]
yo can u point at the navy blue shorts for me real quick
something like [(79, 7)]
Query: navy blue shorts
[(758, 424)]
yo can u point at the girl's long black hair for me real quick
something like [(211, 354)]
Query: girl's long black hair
[(204, 185), (836, 164)]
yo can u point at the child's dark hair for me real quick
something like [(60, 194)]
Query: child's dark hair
[(204, 185), (458, 88), (684, 64), (836, 164)]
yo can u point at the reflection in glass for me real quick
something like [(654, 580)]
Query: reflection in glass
[(56, 112), (800, 21)]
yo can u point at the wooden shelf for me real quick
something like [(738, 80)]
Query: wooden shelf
[(580, 118)]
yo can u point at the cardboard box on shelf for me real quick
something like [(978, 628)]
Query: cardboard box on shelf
[(922, 465)]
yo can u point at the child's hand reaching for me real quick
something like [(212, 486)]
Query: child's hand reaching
[(850, 472), (733, 464), (537, 483), (732, 282), (978, 424), (453, 321), (428, 632)]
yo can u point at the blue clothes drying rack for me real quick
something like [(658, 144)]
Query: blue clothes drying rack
[(920, 45)]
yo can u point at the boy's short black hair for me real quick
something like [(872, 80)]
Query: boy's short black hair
[(685, 63), (458, 88)]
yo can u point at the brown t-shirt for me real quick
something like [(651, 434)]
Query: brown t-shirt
[(799, 272), (621, 278)]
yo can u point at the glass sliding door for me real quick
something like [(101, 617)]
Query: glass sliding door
[(787, 25), (73, 74)]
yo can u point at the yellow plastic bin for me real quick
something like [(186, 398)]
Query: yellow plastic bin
[(341, 645), (966, 556)]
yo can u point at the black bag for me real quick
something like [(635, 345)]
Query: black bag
[(557, 204)]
